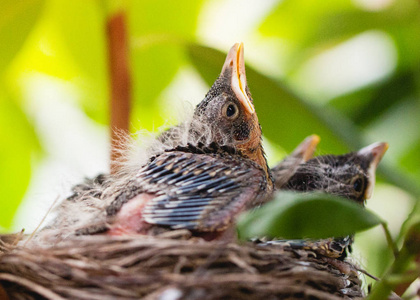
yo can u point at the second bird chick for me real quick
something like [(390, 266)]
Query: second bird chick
[(350, 176)]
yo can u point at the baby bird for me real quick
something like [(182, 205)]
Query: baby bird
[(204, 184), (350, 176)]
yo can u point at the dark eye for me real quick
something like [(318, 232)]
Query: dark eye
[(358, 185), (231, 111)]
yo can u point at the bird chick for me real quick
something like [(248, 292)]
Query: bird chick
[(201, 185), (351, 176)]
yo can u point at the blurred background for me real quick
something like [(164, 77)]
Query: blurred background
[(347, 70)]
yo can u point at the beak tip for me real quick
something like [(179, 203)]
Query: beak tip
[(232, 56), (315, 139), (236, 65), (306, 149), (377, 150), (311, 143)]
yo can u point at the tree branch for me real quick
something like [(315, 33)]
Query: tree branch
[(120, 83)]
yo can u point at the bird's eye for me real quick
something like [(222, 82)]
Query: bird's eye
[(358, 185), (231, 111)]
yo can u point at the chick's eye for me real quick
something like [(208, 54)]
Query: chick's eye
[(358, 185), (231, 111)]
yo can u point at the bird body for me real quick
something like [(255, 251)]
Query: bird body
[(202, 185), (197, 188)]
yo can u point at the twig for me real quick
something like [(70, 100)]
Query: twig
[(120, 83), (42, 221), (367, 273), (40, 290)]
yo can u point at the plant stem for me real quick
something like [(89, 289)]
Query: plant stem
[(120, 84), (389, 239), (404, 270)]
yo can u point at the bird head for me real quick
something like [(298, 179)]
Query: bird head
[(228, 110), (350, 175)]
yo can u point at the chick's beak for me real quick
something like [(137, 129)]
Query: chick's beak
[(374, 153), (306, 149), (236, 65)]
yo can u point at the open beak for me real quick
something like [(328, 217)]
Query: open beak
[(305, 150), (236, 64), (374, 153)]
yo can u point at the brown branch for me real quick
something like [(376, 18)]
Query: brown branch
[(120, 84)]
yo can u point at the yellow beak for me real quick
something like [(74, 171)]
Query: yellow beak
[(235, 62), (306, 149)]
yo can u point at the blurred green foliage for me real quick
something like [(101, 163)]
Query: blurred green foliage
[(16, 133), (18, 19), (67, 40), (19, 143), (81, 27), (158, 52)]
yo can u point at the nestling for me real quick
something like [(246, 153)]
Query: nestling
[(204, 184), (350, 176)]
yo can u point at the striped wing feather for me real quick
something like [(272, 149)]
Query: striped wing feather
[(198, 191)]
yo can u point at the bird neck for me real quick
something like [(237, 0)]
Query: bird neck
[(257, 155)]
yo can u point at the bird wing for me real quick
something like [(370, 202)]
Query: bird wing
[(201, 192)]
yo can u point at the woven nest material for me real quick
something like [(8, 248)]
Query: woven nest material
[(171, 267)]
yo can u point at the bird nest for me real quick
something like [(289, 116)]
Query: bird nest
[(171, 266)]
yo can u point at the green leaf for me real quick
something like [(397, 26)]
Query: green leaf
[(412, 219), (16, 154), (17, 20), (157, 38), (296, 215)]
